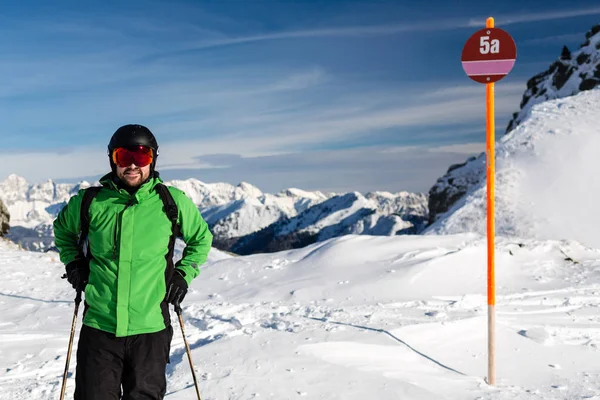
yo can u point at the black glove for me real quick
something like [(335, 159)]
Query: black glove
[(177, 289), (78, 274)]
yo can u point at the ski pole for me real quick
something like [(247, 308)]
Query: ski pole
[(187, 348), (64, 381)]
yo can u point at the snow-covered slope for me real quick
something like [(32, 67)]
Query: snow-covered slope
[(247, 215), (378, 213), (570, 74), (546, 175), (358, 317), (214, 194)]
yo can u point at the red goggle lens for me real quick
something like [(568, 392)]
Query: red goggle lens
[(139, 155)]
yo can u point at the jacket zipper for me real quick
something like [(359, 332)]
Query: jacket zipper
[(130, 202)]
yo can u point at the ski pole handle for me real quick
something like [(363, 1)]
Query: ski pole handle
[(78, 295)]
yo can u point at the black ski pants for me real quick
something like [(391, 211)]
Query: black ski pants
[(105, 363)]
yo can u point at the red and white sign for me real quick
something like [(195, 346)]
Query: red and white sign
[(489, 55)]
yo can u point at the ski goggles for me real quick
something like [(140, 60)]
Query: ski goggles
[(139, 155)]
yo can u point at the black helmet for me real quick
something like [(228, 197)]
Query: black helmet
[(133, 135)]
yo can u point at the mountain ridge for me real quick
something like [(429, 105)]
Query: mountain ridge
[(232, 211)]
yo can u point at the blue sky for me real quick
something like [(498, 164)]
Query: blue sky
[(326, 95)]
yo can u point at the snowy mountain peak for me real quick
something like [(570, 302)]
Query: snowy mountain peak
[(13, 178), (13, 185), (249, 189), (294, 192)]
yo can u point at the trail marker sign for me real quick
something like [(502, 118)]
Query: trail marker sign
[(489, 55)]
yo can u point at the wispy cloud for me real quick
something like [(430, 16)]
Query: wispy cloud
[(369, 169), (380, 30), (347, 31), (469, 90), (561, 39), (511, 19), (301, 80), (342, 31), (283, 132), (303, 130), (466, 148)]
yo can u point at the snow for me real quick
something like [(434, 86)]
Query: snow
[(401, 202), (240, 217), (546, 179), (352, 317), (354, 213)]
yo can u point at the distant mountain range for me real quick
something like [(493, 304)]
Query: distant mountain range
[(242, 218)]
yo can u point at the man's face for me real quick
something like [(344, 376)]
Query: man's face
[(128, 160), (133, 176)]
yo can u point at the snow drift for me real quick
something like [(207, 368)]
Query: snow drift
[(546, 176)]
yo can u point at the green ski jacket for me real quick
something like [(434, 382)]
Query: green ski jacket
[(128, 239)]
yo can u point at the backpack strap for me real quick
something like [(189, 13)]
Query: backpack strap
[(170, 208), (172, 212), (84, 218)]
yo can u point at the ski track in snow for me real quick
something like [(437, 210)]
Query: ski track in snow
[(354, 317)]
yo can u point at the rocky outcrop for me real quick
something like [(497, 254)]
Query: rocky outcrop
[(452, 186), (4, 219), (571, 73)]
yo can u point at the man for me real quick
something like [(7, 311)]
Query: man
[(127, 278)]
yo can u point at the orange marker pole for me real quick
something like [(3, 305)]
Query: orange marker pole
[(490, 139)]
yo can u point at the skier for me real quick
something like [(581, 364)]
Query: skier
[(127, 273)]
